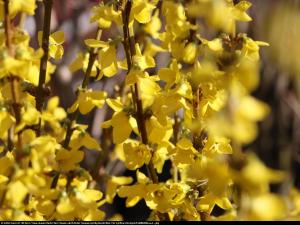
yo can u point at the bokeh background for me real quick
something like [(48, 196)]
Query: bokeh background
[(274, 21)]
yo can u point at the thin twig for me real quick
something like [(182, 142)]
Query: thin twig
[(45, 47), (73, 117), (40, 98), (14, 82), (176, 128), (129, 46)]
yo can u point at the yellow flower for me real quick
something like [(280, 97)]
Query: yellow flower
[(239, 11), (251, 48), (68, 160), (107, 58), (93, 43), (30, 117), (11, 66), (3, 179), (184, 153), (255, 177), (267, 207), (141, 11), (17, 6), (81, 62), (152, 49), (213, 173), (217, 145), (189, 210), (122, 123), (65, 206), (45, 207), (170, 75), (136, 154), (135, 193), (53, 110), (167, 103), (238, 120), (138, 191), (16, 192), (112, 186), (6, 163), (104, 15), (88, 196), (190, 53), (108, 61), (221, 14), (157, 132), (42, 153), (142, 61), (135, 75), (56, 40), (210, 81), (53, 115), (178, 26), (87, 100), (94, 214), (56, 49), (82, 138), (160, 156), (6, 121), (166, 197), (208, 202), (154, 25)]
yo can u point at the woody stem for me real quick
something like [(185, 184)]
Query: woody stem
[(14, 81), (40, 97), (129, 46)]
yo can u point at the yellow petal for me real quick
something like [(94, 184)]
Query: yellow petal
[(58, 37), (3, 179), (96, 43), (107, 61), (65, 206), (121, 127), (185, 143), (92, 195), (190, 53), (142, 178), (46, 207), (268, 207), (77, 64)]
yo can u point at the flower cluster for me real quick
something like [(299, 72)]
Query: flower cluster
[(192, 109), (41, 178)]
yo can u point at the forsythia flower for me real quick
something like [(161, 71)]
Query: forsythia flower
[(136, 155), (141, 11), (122, 123), (181, 107), (17, 6), (105, 15), (56, 40), (113, 184), (87, 100), (68, 160)]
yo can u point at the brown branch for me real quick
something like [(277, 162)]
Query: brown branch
[(129, 46), (45, 46), (14, 82), (7, 26), (40, 97), (73, 117), (176, 128)]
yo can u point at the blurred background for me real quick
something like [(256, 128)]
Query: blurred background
[(274, 21)]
